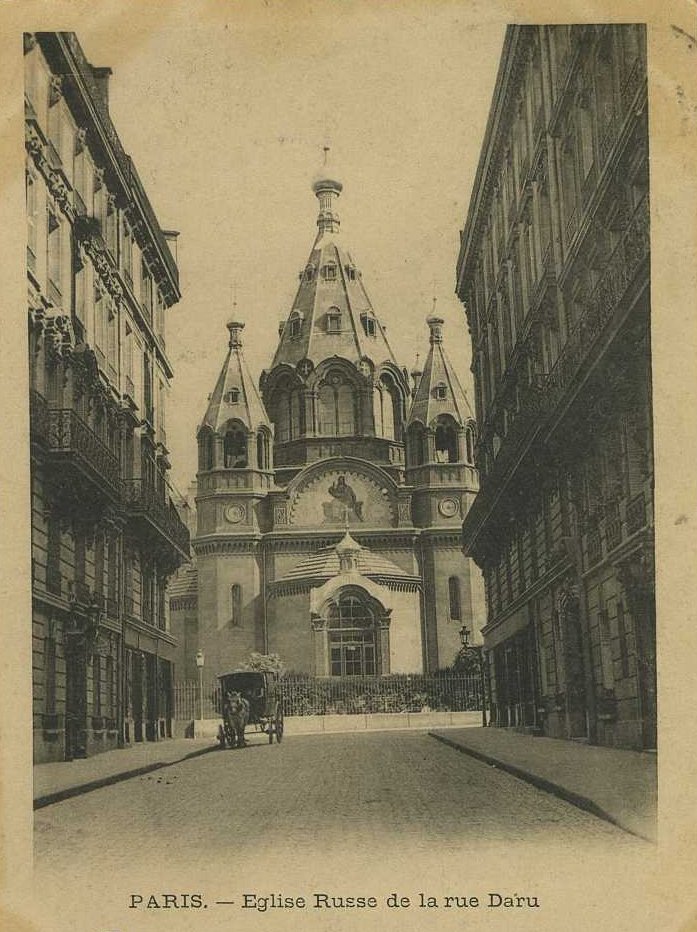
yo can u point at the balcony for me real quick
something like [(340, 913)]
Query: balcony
[(623, 265), (71, 438), (149, 505), (636, 513)]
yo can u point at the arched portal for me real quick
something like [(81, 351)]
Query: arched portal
[(352, 635)]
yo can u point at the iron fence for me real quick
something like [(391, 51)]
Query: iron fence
[(351, 695)]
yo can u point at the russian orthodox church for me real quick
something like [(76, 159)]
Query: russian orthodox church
[(330, 498)]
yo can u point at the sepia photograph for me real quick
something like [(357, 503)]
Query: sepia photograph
[(340, 502)]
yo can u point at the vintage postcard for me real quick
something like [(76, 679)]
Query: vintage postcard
[(347, 503)]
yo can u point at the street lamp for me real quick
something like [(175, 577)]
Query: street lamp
[(477, 651), (200, 660)]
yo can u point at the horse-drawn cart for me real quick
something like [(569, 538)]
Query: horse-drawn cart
[(259, 691)]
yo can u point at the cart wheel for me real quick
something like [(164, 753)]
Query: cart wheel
[(279, 726)]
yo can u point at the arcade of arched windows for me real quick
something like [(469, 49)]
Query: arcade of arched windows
[(443, 442), (234, 448)]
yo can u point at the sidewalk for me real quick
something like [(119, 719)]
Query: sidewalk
[(616, 785), (63, 779)]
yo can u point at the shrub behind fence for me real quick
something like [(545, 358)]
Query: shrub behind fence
[(303, 694)]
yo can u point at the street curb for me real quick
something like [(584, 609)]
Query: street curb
[(555, 789), (50, 798)]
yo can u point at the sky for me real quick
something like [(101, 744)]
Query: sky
[(225, 110)]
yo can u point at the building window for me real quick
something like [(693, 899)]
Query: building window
[(146, 289), (469, 445), (127, 249), (295, 325), (99, 564), (368, 322), (233, 396), (207, 446), (416, 444), (53, 555), (454, 598), (110, 705), (623, 633), (329, 272), (50, 672), (289, 412), (309, 273), (31, 222), (352, 648), (236, 605), (351, 272), (605, 635), (446, 440), (441, 391), (235, 449), (97, 685), (336, 408), (79, 538), (263, 447), (111, 222), (111, 324), (333, 320), (55, 251), (112, 575)]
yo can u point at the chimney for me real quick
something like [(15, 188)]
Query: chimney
[(101, 76), (172, 236)]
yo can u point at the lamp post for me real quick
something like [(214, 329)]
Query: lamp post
[(200, 660), (477, 651)]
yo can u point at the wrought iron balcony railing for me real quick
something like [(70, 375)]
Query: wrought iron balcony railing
[(143, 498), (69, 435), (636, 513)]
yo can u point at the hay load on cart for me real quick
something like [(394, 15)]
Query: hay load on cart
[(261, 691)]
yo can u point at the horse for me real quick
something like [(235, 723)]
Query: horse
[(236, 716)]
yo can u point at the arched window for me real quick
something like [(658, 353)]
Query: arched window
[(446, 441), (288, 412), (206, 450), (389, 417), (236, 605), (336, 408), (263, 449), (469, 444), (235, 448), (454, 596), (416, 444), (333, 320), (352, 648)]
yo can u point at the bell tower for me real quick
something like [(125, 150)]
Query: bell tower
[(235, 475), (440, 440)]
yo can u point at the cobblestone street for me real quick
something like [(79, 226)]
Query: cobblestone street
[(375, 792)]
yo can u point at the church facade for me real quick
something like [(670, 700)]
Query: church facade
[(330, 495)]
